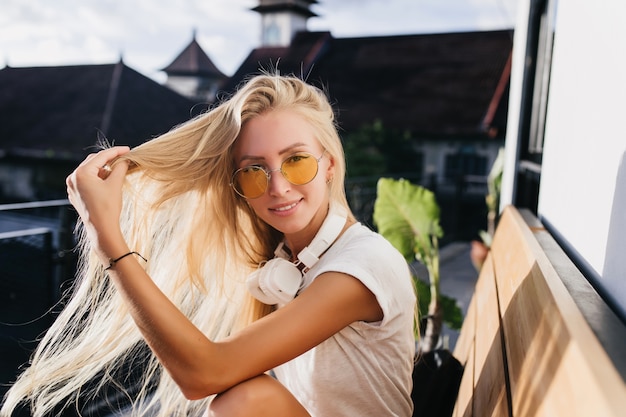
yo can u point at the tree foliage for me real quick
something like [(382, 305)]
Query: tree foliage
[(374, 150)]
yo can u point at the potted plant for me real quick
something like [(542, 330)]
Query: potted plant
[(407, 215)]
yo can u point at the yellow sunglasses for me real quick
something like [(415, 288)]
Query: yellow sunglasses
[(252, 181)]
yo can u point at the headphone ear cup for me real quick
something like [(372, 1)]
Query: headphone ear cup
[(276, 282), (254, 287)]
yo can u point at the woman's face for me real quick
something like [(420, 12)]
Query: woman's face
[(267, 141)]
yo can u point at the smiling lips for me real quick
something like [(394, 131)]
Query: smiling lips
[(285, 208)]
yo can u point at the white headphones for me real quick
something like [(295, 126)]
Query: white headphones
[(278, 280)]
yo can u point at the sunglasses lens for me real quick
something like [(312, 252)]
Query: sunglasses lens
[(299, 169), (250, 182)]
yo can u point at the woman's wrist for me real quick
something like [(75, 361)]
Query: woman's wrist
[(111, 247), (114, 261)]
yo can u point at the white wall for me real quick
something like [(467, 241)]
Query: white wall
[(511, 150), (583, 180)]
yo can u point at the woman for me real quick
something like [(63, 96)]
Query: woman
[(177, 229)]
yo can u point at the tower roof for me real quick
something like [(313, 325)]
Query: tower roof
[(301, 7), (193, 61)]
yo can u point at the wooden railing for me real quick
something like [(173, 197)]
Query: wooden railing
[(526, 346)]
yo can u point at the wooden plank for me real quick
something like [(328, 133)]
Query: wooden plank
[(556, 366), (464, 402), (464, 352), (465, 342), (490, 386), (511, 256), (605, 324)]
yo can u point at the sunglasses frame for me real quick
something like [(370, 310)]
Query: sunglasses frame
[(268, 173)]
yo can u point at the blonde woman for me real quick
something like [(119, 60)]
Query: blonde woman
[(180, 232)]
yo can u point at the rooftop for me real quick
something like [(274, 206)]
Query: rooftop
[(446, 84), (59, 111)]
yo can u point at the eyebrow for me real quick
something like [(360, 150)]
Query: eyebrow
[(288, 149)]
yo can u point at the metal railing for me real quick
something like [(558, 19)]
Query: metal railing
[(36, 258)]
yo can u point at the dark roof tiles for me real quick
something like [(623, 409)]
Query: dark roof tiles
[(58, 111), (452, 85), (432, 85)]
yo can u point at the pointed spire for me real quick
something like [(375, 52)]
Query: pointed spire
[(193, 61), (193, 74)]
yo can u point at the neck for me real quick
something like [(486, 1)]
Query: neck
[(298, 241), (334, 224)]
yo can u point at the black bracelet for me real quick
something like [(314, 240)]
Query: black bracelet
[(112, 262)]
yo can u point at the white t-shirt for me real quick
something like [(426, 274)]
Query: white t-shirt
[(365, 369)]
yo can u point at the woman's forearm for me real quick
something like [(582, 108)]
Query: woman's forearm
[(186, 353)]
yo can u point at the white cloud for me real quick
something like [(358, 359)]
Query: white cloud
[(373, 17), (150, 34)]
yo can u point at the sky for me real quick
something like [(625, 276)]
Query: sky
[(149, 34)]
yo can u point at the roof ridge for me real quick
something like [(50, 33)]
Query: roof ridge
[(114, 86)]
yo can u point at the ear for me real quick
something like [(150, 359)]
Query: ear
[(330, 171)]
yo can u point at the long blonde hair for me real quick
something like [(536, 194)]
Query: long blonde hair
[(201, 241)]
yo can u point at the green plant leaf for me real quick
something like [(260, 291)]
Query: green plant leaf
[(408, 216)]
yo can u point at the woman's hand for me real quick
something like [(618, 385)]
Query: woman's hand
[(95, 191)]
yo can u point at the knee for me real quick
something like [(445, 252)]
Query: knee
[(236, 400), (259, 396)]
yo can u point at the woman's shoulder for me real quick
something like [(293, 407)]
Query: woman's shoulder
[(366, 242), (359, 233), (369, 257)]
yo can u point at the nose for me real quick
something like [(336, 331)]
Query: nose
[(277, 184)]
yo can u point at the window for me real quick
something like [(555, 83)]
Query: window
[(534, 106)]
